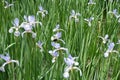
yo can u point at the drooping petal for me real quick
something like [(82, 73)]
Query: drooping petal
[(66, 74), (106, 54), (2, 69), (17, 33), (27, 27), (11, 30)]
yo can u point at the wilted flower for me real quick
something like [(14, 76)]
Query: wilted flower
[(16, 26), (8, 60), (105, 39), (89, 20), (71, 64), (7, 4), (115, 13), (91, 2), (40, 44), (56, 37), (57, 28), (110, 49), (29, 24), (74, 15), (42, 11)]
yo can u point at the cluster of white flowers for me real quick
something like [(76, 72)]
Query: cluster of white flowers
[(55, 39), (110, 45), (69, 60), (28, 24), (18, 29), (71, 65)]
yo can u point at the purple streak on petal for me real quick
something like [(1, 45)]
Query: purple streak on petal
[(57, 26), (40, 44), (5, 57), (56, 45), (55, 54), (106, 36), (31, 18), (115, 11), (111, 46), (40, 8), (16, 22), (58, 35)]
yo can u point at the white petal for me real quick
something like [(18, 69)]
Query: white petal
[(40, 8), (106, 36), (11, 30), (76, 63), (106, 54), (27, 27), (31, 18), (17, 33), (111, 46), (66, 74), (73, 12), (16, 22), (33, 35), (25, 17), (53, 60), (89, 24), (2, 69)]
